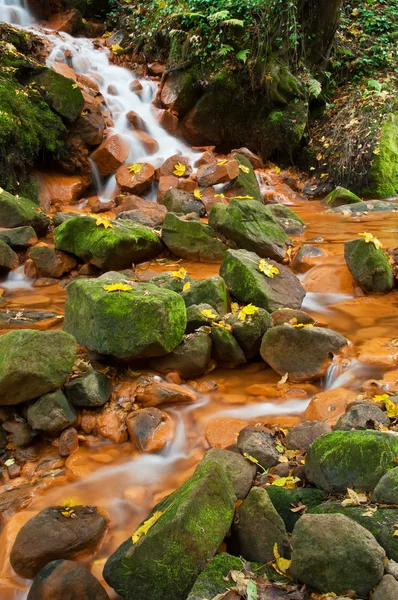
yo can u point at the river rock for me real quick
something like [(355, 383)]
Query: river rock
[(148, 217), (369, 266), (18, 237), (50, 262), (363, 415), (368, 206), (290, 222), (21, 433), (68, 442), (135, 183), (60, 217), (180, 202), (172, 280), (89, 390), (238, 469), (260, 528), (250, 226), (141, 322), (350, 459), (258, 442), (50, 535), (249, 332), (291, 316), (302, 261), (246, 183), (285, 500), (214, 581), (8, 258), (192, 240), (214, 174), (196, 318), (60, 93), (21, 212), (149, 429), (191, 524), (33, 363), (240, 270), (66, 580), (305, 353), (178, 92), (301, 436), (190, 359), (168, 167), (387, 589), (155, 394), (225, 349), (255, 160), (386, 491), (114, 247), (110, 155), (51, 413), (211, 291), (332, 553), (340, 196)]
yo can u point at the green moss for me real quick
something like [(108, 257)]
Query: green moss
[(340, 197), (284, 500), (246, 184), (17, 212), (225, 349), (369, 266), (213, 580), (192, 240), (211, 291), (61, 93), (384, 171), (249, 332)]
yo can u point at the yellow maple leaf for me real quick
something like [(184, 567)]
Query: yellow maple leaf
[(135, 168), (234, 307), (117, 287), (243, 198), (268, 269), (286, 482), (179, 170), (208, 313), (223, 325), (69, 513), (391, 408), (180, 274), (75, 86), (103, 221), (244, 169), (222, 162), (380, 397), (68, 503), (116, 48), (281, 565), (187, 286), (145, 527), (247, 310), (395, 534), (370, 239), (198, 194)]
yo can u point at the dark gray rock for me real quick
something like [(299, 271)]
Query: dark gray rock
[(363, 415), (51, 413), (259, 443), (91, 389), (301, 436)]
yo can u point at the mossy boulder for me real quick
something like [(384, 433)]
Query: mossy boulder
[(8, 258), (33, 363), (192, 240), (240, 270), (286, 500), (386, 491), (225, 349), (142, 322), (196, 318), (369, 266), (249, 332), (166, 561), (249, 225), (214, 579), (381, 523), (246, 183), (238, 469), (181, 202), (384, 171), (172, 280), (60, 93), (20, 212), (211, 291), (18, 237), (340, 196), (190, 359), (116, 247), (350, 459), (290, 222)]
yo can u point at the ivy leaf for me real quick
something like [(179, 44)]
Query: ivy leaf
[(135, 168), (286, 482), (370, 239), (208, 313), (247, 310), (104, 222), (180, 274), (244, 169), (145, 527), (117, 287), (267, 268), (179, 170), (198, 194), (281, 565)]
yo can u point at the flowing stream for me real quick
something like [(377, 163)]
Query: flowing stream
[(115, 477)]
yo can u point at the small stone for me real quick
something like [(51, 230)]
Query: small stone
[(258, 443), (18, 237), (387, 589), (50, 262), (90, 390), (169, 166), (290, 315), (8, 258), (225, 349), (135, 120), (386, 491), (21, 433), (156, 394), (110, 155), (149, 429), (363, 415), (149, 144), (218, 173), (135, 183), (240, 470), (68, 442), (190, 359), (301, 436), (51, 413)]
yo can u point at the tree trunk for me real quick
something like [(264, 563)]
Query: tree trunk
[(319, 19)]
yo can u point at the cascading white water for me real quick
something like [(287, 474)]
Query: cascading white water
[(15, 12)]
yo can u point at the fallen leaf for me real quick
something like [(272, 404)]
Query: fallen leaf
[(281, 565), (246, 311), (251, 458), (391, 408), (135, 168), (283, 379), (244, 169), (267, 268), (187, 286), (180, 274), (179, 170), (222, 162), (223, 325), (145, 527), (370, 239), (118, 287), (354, 499), (104, 222), (242, 198), (198, 194), (286, 482), (208, 313), (234, 307)]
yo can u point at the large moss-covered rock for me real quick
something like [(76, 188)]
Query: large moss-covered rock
[(61, 94), (238, 469), (19, 212), (381, 523), (384, 171), (190, 359), (246, 183), (181, 202), (211, 291), (33, 363), (285, 500), (225, 349), (332, 553), (196, 316), (250, 226), (116, 247), (141, 322), (290, 222), (172, 280), (192, 240), (249, 332), (350, 459), (166, 561), (340, 196), (303, 352), (18, 237), (214, 579), (240, 270), (369, 266)]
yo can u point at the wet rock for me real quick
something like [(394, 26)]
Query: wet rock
[(136, 87), (90, 126), (392, 569), (301, 436), (198, 515), (171, 281), (255, 160), (135, 183), (260, 528), (259, 443), (290, 222), (60, 189), (369, 206), (180, 202), (33, 363), (369, 266), (90, 390), (363, 415), (3, 439), (149, 429), (285, 500), (213, 581), (225, 349), (240, 471), (250, 226), (50, 262), (387, 589), (51, 413), (166, 183), (305, 353), (110, 155), (211, 291), (332, 553), (111, 424), (216, 173), (192, 240), (291, 316), (249, 332), (330, 405), (68, 442), (116, 245), (246, 183), (147, 218), (178, 92), (143, 321), (302, 261), (20, 212), (8, 258), (169, 166), (350, 459), (190, 359), (52, 536), (149, 144), (135, 203), (60, 93), (69, 21), (21, 433), (61, 217), (249, 285), (386, 491), (66, 580), (210, 198), (168, 120), (155, 394), (18, 237), (196, 318), (135, 120), (340, 196), (14, 500)]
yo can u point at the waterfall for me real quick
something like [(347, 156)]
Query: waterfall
[(15, 12)]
